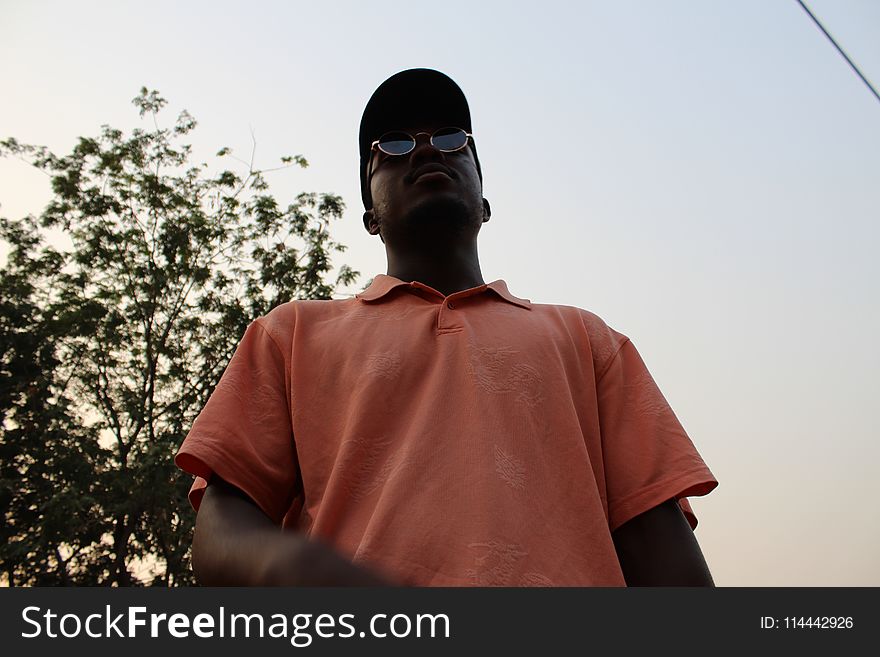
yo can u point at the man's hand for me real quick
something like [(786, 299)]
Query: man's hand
[(236, 544), (658, 548)]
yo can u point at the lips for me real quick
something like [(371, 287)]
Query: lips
[(433, 167)]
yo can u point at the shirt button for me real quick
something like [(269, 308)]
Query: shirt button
[(450, 305)]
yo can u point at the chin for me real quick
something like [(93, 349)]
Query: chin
[(442, 212)]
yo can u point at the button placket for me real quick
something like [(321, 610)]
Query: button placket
[(449, 318)]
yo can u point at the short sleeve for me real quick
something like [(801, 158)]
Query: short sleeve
[(243, 433), (648, 457)]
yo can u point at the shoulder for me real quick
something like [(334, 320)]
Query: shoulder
[(281, 322), (583, 325), (579, 319)]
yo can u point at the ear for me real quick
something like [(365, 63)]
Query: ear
[(487, 211), (371, 223)]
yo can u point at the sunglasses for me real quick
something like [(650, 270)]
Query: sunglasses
[(397, 142)]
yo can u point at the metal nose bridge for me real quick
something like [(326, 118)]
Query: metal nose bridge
[(416, 139)]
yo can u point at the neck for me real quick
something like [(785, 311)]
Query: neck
[(447, 272)]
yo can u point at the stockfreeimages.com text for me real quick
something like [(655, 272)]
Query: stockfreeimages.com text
[(300, 629)]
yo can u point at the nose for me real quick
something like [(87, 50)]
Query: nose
[(424, 151)]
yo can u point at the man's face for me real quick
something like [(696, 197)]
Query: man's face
[(426, 192)]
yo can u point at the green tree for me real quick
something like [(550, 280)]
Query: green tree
[(111, 349)]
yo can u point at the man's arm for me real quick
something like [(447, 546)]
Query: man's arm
[(658, 548), (236, 544)]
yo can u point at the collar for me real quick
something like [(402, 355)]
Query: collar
[(383, 284)]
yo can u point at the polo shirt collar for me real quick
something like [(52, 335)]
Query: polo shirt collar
[(383, 284)]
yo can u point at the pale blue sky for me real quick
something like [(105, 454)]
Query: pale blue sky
[(703, 175)]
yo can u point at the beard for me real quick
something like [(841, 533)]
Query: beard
[(437, 220)]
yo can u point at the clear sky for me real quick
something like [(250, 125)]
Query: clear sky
[(705, 176)]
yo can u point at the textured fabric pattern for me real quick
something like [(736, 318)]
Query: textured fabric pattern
[(475, 439)]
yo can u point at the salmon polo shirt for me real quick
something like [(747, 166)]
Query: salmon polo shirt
[(475, 439)]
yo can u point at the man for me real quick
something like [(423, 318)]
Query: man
[(436, 430)]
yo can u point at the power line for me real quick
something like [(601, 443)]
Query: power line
[(840, 50)]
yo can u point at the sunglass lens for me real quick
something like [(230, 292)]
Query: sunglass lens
[(396, 143), (449, 139)]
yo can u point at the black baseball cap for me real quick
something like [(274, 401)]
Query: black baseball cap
[(417, 94)]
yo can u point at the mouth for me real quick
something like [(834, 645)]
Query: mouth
[(430, 172)]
